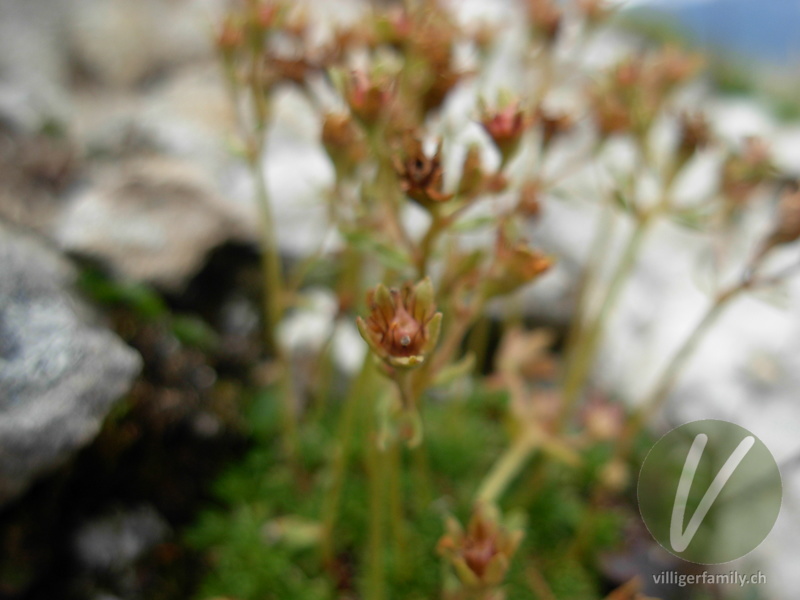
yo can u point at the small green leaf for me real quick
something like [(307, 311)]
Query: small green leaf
[(193, 331)]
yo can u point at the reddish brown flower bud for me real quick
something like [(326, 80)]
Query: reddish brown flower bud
[(671, 67), (394, 27), (403, 325), (515, 264), (482, 554), (444, 80), (473, 177), (344, 145), (745, 171), (506, 126), (367, 99), (611, 116), (529, 204), (421, 176), (545, 18), (297, 23), (695, 133), (553, 125), (230, 37), (280, 69), (629, 73), (787, 227), (595, 11), (265, 15)]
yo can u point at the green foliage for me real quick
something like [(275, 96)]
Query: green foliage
[(464, 436), (146, 304), (139, 298)]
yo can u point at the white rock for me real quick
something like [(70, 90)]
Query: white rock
[(121, 42), (152, 220)]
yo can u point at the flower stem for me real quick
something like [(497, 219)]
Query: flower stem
[(579, 365), (506, 469), (273, 286), (341, 459), (428, 243), (397, 520), (598, 249), (676, 365), (270, 259), (376, 559)]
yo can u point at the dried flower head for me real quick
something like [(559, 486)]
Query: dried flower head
[(421, 176), (745, 171), (515, 264), (403, 326), (505, 126), (482, 554)]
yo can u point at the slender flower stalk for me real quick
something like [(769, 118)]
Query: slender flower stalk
[(579, 366), (506, 469)]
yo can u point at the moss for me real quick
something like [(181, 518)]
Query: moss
[(245, 564)]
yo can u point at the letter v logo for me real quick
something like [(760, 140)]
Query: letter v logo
[(709, 491), (680, 539)]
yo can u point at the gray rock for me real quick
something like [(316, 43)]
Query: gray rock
[(59, 375), (33, 64)]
